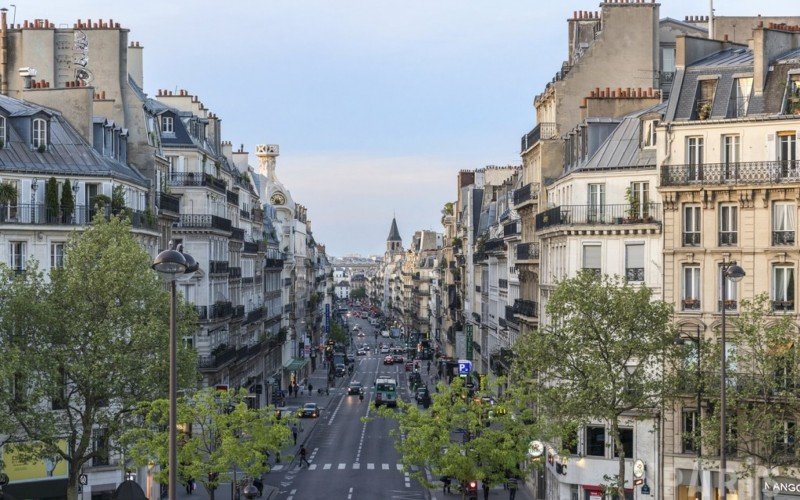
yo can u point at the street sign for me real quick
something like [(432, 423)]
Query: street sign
[(464, 366), (469, 341), (645, 489), (83, 479), (327, 318)]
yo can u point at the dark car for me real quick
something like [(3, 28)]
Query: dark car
[(340, 370), (354, 388), (309, 410), (397, 358), (422, 394), (415, 380)]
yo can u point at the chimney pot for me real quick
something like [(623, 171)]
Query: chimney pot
[(574, 14)]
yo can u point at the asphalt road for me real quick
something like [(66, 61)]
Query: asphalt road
[(349, 459)]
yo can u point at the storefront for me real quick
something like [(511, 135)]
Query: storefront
[(39, 480), (780, 488)]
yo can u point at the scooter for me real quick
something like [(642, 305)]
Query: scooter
[(470, 489)]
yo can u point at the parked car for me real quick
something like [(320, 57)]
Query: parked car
[(309, 410), (340, 370), (388, 360), (354, 388)]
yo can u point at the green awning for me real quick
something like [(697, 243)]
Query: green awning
[(296, 364)]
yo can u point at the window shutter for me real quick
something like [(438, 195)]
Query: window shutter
[(634, 256), (772, 151), (591, 257)]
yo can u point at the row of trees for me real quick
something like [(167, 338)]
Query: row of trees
[(609, 355), (85, 355)]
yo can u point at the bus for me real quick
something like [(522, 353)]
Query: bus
[(385, 391)]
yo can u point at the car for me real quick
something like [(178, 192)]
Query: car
[(409, 366), (415, 380), (384, 350), (361, 334), (388, 360), (354, 388), (356, 328), (422, 393), (309, 410), (361, 352), (385, 333), (340, 370), (397, 358)]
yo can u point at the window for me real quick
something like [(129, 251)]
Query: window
[(691, 426), (592, 259), (56, 255), (694, 157), (569, 441), (691, 225), (649, 133), (705, 98), (730, 156), (740, 97), (787, 153), (100, 447), (3, 138), (691, 288), (167, 125), (783, 215), (783, 288), (786, 438), (634, 262), (597, 202), (785, 373), (668, 60), (59, 400), (793, 97), (17, 255), (731, 295), (595, 441), (39, 133), (728, 225), (640, 200), (626, 436)]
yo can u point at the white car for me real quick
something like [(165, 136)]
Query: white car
[(385, 333)]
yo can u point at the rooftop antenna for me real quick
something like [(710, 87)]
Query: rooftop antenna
[(710, 19)]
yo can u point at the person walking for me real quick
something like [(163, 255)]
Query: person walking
[(485, 490), (446, 484), (303, 454), (361, 395), (310, 389), (513, 484), (294, 433)]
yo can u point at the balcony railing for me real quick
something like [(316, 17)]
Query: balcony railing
[(273, 263), (256, 314), (526, 193), (250, 247), (217, 360), (783, 237), (502, 284), (237, 233), (527, 308), (238, 312), (634, 273), (220, 310), (81, 215), (233, 198), (511, 229), (169, 203), (783, 305), (727, 238), (691, 239), (244, 214), (197, 179), (527, 251), (247, 280), (730, 305), (204, 221), (691, 304), (644, 213), (756, 172), (494, 245), (544, 130), (235, 272), (510, 315), (218, 267)]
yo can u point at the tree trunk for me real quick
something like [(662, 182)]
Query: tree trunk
[(620, 459), (74, 473), (211, 493)]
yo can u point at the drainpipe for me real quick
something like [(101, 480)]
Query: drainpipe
[(3, 51), (710, 19)]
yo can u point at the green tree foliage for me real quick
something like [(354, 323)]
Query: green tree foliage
[(225, 434), (601, 358), (89, 348), (358, 293), (339, 334), (762, 400), (67, 201), (118, 199), (51, 198), (460, 436)]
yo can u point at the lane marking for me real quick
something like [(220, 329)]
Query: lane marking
[(342, 466), (326, 466), (385, 466), (312, 467), (400, 466), (350, 493), (370, 466), (356, 466)]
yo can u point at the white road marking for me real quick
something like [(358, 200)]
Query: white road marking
[(356, 466), (350, 493), (277, 467), (385, 466), (326, 466), (399, 466), (342, 466), (370, 466), (312, 467)]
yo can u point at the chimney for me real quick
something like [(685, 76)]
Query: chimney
[(135, 63)]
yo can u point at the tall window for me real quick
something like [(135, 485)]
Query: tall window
[(17, 255), (167, 125), (100, 447), (592, 259), (783, 288), (649, 133), (640, 198), (39, 133), (595, 441), (787, 153), (730, 302), (691, 288), (691, 425), (730, 156), (626, 436), (740, 97), (783, 223), (728, 225), (705, 98), (694, 157), (691, 225), (786, 438), (634, 262), (597, 202), (56, 255), (3, 137), (793, 97)]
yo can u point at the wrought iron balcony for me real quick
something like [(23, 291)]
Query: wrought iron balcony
[(544, 130), (783, 237), (636, 213), (691, 304), (218, 360), (218, 267), (528, 251), (783, 305), (178, 179), (527, 308), (238, 312), (634, 273), (169, 203), (220, 310), (233, 198), (234, 272), (730, 305), (237, 233), (41, 215), (494, 245), (247, 280), (691, 239), (250, 247), (756, 172), (511, 229), (728, 238), (204, 221), (503, 284), (244, 214), (256, 314), (510, 315)]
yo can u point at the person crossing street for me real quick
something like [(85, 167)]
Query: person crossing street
[(303, 454)]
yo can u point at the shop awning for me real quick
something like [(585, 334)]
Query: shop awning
[(296, 364)]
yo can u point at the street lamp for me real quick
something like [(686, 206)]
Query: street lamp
[(698, 447), (250, 491), (730, 271), (171, 263)]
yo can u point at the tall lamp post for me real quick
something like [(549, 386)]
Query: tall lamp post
[(172, 262), (733, 272), (698, 448)]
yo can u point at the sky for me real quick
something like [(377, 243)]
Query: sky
[(376, 104)]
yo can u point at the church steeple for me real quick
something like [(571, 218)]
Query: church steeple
[(394, 243)]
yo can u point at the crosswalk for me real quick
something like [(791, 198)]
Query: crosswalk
[(346, 466)]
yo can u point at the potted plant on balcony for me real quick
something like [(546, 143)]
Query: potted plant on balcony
[(703, 110), (633, 206), (67, 203), (8, 197), (691, 303)]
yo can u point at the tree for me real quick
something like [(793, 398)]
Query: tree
[(93, 346), (358, 293), (117, 199), (339, 334), (762, 400), (224, 434), (51, 199), (600, 359), (461, 436), (67, 202)]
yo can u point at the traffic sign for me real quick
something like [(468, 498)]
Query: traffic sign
[(464, 366), (83, 479)]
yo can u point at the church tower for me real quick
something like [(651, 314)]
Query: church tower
[(394, 243)]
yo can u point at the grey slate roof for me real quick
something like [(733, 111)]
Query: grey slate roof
[(67, 152), (622, 148), (394, 234), (728, 57)]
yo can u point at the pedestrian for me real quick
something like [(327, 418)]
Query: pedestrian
[(310, 389), (303, 453), (361, 395), (485, 490), (259, 485), (190, 486), (446, 484), (294, 433), (512, 488)]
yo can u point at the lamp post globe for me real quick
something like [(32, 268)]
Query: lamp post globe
[(170, 262), (734, 272), (250, 491)]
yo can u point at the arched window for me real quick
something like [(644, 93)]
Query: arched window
[(39, 133), (3, 132)]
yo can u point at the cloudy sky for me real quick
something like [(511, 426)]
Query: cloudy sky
[(376, 104)]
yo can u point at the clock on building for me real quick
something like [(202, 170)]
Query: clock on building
[(277, 199)]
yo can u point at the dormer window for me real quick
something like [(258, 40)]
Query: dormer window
[(705, 98), (740, 97), (167, 125), (39, 134), (2, 132), (649, 133), (793, 99)]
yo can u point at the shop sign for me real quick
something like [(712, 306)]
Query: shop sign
[(780, 485)]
